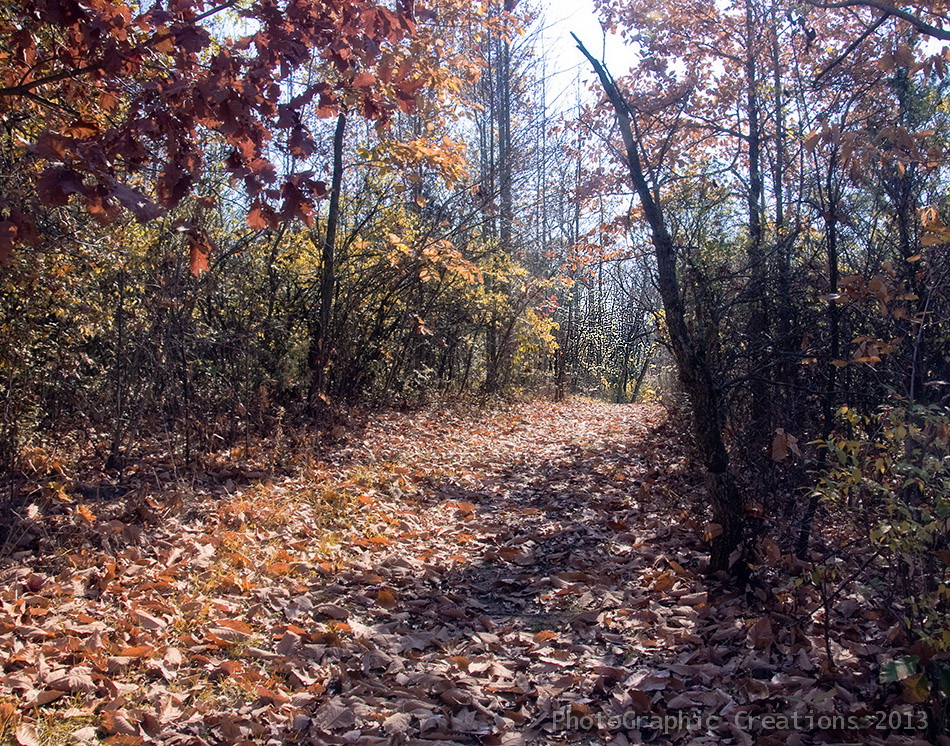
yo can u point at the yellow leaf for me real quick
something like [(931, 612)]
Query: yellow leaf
[(916, 689)]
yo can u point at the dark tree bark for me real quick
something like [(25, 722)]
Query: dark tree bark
[(694, 372), (319, 357), (499, 353), (830, 199), (757, 328)]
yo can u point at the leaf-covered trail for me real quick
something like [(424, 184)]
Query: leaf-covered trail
[(529, 575)]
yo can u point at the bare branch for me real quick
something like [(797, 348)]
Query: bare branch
[(852, 46), (889, 10)]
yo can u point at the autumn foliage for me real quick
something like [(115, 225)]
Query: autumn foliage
[(113, 101)]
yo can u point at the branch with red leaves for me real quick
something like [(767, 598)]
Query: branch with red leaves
[(103, 98)]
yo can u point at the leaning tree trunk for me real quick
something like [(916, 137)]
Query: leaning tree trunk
[(694, 372)]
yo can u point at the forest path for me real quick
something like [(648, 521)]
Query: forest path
[(524, 575), (529, 571)]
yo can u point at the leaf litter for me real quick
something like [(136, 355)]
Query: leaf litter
[(526, 575)]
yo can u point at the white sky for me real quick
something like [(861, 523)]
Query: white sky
[(564, 60)]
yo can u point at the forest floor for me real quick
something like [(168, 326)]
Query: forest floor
[(532, 574)]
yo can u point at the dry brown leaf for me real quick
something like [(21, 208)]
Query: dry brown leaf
[(123, 739), (398, 722), (77, 680), (556, 540), (173, 657), (230, 630), (332, 610), (44, 697), (148, 621), (761, 634), (333, 716), (118, 723), (288, 642), (25, 735), (85, 735)]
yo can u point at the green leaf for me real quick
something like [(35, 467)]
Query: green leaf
[(899, 669), (943, 673)]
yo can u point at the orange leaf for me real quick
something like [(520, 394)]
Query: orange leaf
[(269, 695), (277, 568), (229, 630), (374, 540), (117, 723), (256, 219), (236, 624), (461, 661), (198, 262), (386, 598), (123, 739), (87, 515)]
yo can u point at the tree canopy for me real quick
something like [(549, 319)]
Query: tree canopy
[(232, 229)]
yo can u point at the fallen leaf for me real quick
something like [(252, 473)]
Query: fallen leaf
[(761, 634), (26, 735), (333, 716)]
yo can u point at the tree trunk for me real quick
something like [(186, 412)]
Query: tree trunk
[(319, 357), (829, 398), (640, 376), (695, 375), (624, 374), (757, 328)]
